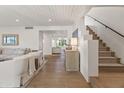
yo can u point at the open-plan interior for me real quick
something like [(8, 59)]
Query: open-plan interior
[(61, 46)]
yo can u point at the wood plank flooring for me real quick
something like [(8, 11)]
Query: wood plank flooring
[(109, 80), (53, 75)]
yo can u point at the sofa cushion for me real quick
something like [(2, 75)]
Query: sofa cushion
[(20, 51), (12, 51), (3, 57)]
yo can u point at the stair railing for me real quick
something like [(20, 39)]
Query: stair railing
[(106, 26)]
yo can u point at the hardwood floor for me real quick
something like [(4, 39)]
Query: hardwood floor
[(109, 80), (53, 75)]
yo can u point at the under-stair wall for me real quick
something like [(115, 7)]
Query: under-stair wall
[(88, 49), (112, 39), (89, 57)]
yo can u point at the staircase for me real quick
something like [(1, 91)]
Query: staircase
[(108, 62)]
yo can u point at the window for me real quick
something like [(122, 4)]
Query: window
[(10, 39), (59, 42)]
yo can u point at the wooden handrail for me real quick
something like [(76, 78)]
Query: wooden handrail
[(106, 26)]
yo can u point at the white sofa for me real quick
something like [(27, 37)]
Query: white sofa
[(9, 53), (56, 50), (16, 71)]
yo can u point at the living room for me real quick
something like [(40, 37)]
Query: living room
[(60, 46)]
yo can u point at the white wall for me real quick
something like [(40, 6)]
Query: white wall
[(30, 38), (89, 57), (47, 43), (27, 38), (88, 49), (40, 40), (46, 28), (93, 58), (113, 17)]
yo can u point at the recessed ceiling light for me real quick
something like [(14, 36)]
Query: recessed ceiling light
[(17, 20), (50, 20)]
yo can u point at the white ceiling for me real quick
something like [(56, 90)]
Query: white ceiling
[(38, 15)]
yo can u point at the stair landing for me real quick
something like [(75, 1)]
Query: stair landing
[(108, 80)]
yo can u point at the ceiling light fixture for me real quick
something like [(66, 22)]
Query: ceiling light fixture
[(17, 20), (50, 20)]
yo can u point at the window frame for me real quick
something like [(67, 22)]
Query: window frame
[(16, 38)]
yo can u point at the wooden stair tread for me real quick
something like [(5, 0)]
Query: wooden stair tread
[(108, 57), (101, 46), (104, 48), (105, 51), (111, 64), (106, 54)]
